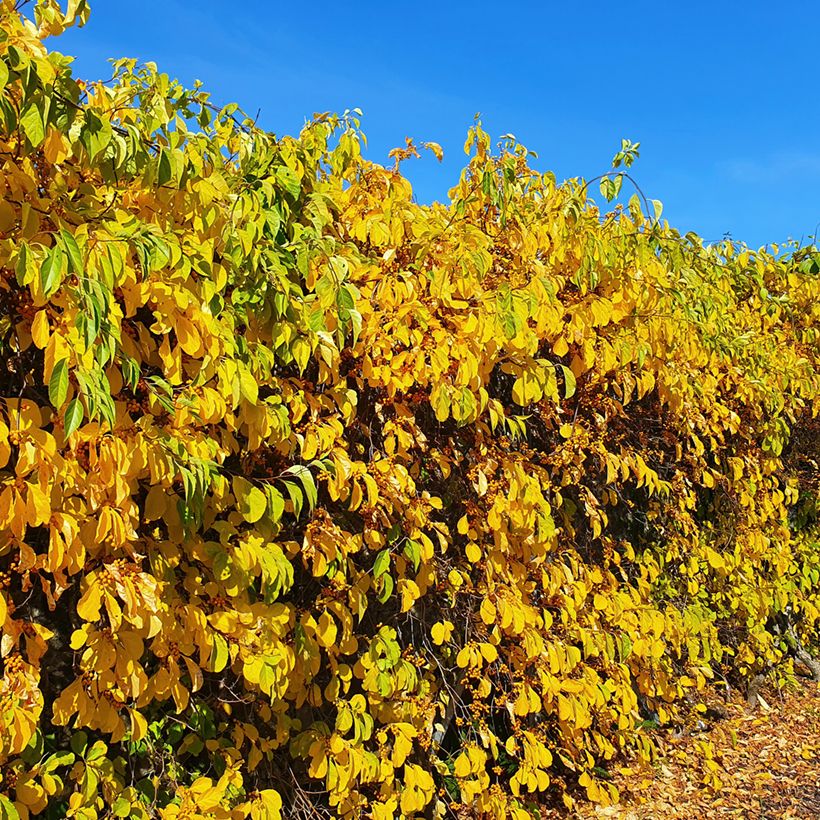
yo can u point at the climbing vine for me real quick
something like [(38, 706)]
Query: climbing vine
[(319, 502)]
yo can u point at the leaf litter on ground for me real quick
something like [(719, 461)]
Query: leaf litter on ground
[(764, 765)]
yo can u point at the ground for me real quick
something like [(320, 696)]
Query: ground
[(767, 760)]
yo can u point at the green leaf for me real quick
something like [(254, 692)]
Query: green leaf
[(389, 585), (32, 124), (295, 497), (221, 568), (79, 741), (487, 183), (381, 564), (634, 206), (88, 785), (306, 478), (130, 371), (58, 384), (316, 319), (219, 654), (160, 387), (164, 169), (75, 257), (288, 180), (250, 500), (248, 387), (8, 810), (23, 265), (607, 189), (56, 760), (344, 298), (96, 134), (300, 348), (73, 417), (356, 324), (412, 549), (51, 272), (505, 312), (569, 382), (276, 503), (97, 752), (4, 74)]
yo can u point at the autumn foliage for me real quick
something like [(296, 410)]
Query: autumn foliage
[(319, 502)]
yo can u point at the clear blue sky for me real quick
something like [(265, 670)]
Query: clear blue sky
[(723, 96)]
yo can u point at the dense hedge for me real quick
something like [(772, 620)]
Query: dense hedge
[(317, 500)]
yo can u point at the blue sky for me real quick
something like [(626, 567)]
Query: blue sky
[(723, 96)]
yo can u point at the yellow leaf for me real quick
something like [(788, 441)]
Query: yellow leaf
[(441, 632), (40, 329), (715, 559), (139, 725), (189, 338), (410, 593), (326, 630), (39, 506), (156, 503), (8, 216), (271, 804), (88, 607), (79, 637), (463, 766), (54, 147), (489, 652), (487, 611)]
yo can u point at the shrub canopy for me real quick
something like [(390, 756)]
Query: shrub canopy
[(318, 500)]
